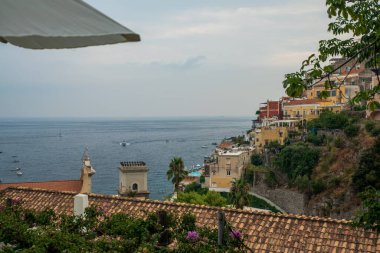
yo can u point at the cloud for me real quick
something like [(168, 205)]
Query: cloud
[(189, 63)]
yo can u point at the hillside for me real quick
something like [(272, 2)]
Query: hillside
[(331, 162)]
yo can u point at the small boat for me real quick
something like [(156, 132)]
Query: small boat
[(124, 143), (204, 146), (19, 173), (214, 143), (16, 161), (17, 169)]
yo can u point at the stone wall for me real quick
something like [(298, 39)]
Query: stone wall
[(289, 201)]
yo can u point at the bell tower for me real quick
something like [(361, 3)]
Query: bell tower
[(133, 179), (87, 172)]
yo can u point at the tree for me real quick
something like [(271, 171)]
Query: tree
[(211, 198), (359, 20), (176, 172), (368, 172), (369, 217), (239, 196), (297, 160), (256, 160)]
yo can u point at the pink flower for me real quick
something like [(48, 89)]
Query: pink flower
[(192, 236), (235, 234)]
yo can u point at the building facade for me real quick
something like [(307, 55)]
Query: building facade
[(133, 179), (227, 166)]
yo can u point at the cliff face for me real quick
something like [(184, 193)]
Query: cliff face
[(339, 160), (330, 189)]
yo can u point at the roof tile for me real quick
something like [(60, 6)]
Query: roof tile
[(265, 232)]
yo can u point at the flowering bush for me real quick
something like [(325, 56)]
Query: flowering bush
[(192, 236), (235, 234), (30, 231)]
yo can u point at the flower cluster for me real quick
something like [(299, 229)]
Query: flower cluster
[(235, 234), (192, 235)]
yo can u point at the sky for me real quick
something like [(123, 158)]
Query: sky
[(196, 58)]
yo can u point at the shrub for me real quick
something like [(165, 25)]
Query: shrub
[(270, 179), (351, 130), (302, 183), (195, 187), (369, 126), (329, 120), (297, 160), (256, 160), (317, 140), (339, 142), (375, 132), (368, 172), (317, 186)]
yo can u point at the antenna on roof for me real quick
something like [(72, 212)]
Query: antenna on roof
[(86, 155)]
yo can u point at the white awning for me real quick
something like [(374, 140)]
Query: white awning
[(53, 24)]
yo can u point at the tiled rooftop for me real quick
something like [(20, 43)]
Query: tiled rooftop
[(59, 185), (266, 232)]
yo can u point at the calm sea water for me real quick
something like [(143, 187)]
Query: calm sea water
[(53, 149)]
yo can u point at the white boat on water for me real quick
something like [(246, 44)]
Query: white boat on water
[(204, 146), (16, 169), (19, 173), (124, 143)]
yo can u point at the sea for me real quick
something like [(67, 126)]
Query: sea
[(52, 149)]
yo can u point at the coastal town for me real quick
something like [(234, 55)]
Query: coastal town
[(304, 177)]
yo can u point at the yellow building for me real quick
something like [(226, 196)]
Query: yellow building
[(228, 165), (339, 95), (261, 137), (308, 109)]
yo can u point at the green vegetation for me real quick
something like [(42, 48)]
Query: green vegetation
[(239, 140), (211, 198), (316, 139), (29, 231), (356, 21), (372, 129), (195, 194), (297, 160), (368, 172), (351, 130), (329, 120), (239, 196), (256, 160), (369, 217), (176, 172)]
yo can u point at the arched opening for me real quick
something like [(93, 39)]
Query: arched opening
[(135, 187)]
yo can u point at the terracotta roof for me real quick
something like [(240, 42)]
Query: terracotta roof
[(59, 185), (303, 102), (266, 232), (225, 145)]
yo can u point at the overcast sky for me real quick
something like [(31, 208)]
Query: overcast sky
[(196, 58)]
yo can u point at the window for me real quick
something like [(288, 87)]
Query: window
[(228, 172), (333, 93), (318, 93), (135, 187)]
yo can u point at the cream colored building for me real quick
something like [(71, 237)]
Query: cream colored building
[(308, 109), (228, 165), (133, 179), (261, 137)]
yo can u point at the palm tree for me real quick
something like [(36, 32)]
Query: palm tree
[(239, 196), (176, 172)]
